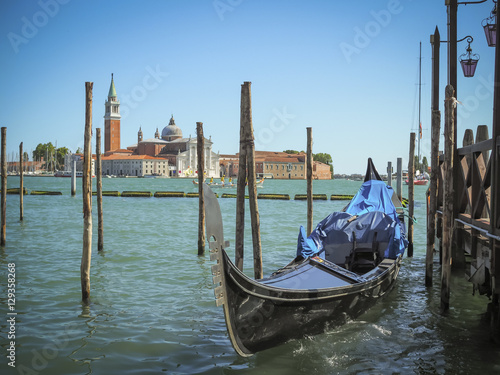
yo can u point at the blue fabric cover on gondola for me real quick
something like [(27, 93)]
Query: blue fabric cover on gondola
[(376, 213)]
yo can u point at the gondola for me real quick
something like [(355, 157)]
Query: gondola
[(350, 260)]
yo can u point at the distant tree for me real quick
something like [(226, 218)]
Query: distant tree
[(60, 154), (45, 152), (26, 156), (323, 158), (53, 158), (425, 165), (416, 163), (291, 152), (79, 151)]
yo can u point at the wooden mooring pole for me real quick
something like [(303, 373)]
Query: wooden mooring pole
[(433, 196), (98, 173), (389, 173), (433, 183), (246, 115), (448, 197), (495, 197), (246, 169), (73, 178), (200, 144), (411, 193), (309, 182), (399, 179), (240, 194), (21, 183), (4, 187), (87, 195)]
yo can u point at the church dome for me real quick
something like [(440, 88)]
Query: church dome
[(171, 131)]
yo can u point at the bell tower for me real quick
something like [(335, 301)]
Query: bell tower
[(139, 135), (112, 120)]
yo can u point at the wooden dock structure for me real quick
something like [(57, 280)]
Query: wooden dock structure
[(464, 198)]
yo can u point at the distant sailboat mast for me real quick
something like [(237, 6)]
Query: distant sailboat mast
[(419, 100)]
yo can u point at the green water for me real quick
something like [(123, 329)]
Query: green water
[(153, 310)]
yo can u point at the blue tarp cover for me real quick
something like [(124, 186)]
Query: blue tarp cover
[(376, 212)]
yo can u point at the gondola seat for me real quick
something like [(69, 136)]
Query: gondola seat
[(363, 256)]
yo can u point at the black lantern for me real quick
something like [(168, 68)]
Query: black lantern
[(490, 28), (469, 60)]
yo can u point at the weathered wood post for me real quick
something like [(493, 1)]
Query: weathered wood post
[(100, 236), (246, 114), (21, 183), (73, 178), (87, 195), (495, 197), (433, 188), (240, 192), (468, 140), (389, 173), (200, 145), (482, 161), (4, 187), (433, 196), (399, 179), (309, 182), (411, 193), (448, 219)]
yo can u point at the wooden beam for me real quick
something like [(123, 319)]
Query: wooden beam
[(87, 196), (100, 234), (240, 190), (246, 113), (399, 179), (21, 183), (200, 144), (448, 219), (411, 193), (433, 196), (309, 182), (4, 188)]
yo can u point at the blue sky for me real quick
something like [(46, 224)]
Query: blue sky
[(347, 69)]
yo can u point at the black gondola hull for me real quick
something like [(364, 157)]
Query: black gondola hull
[(259, 316)]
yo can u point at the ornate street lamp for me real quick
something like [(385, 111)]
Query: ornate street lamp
[(468, 60), (490, 27)]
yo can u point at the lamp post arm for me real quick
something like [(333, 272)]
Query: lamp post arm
[(472, 2), (460, 40), (468, 37)]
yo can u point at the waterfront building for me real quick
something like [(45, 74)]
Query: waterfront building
[(70, 157), (279, 165), (29, 167), (112, 120), (134, 165), (168, 154)]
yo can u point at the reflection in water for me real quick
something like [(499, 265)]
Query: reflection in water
[(91, 329)]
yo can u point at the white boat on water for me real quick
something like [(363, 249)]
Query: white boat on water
[(229, 184), (68, 174)]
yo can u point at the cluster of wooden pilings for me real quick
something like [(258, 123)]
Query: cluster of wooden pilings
[(463, 199), (246, 174)]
